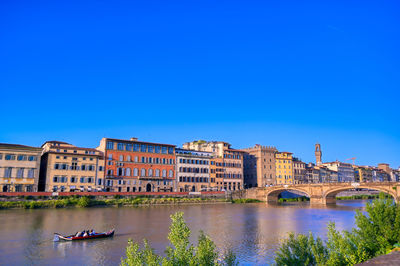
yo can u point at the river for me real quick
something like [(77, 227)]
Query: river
[(253, 231)]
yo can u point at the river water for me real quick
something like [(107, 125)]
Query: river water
[(253, 231)]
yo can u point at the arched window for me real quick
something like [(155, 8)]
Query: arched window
[(128, 172), (150, 172), (157, 172), (128, 158), (135, 172), (171, 173), (143, 172), (121, 158), (164, 173)]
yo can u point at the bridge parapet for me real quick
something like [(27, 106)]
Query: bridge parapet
[(321, 193)]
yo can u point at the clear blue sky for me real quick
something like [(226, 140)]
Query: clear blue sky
[(282, 73)]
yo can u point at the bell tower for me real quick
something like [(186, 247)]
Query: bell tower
[(318, 154)]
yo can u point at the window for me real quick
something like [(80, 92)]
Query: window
[(56, 166), (136, 159), (128, 172), (143, 159), (120, 146), (157, 173), (89, 180), (73, 179), (151, 148), (82, 180), (99, 182), (21, 158), (7, 172), (128, 147), (110, 145), (143, 172), (143, 148), (171, 173), (164, 173), (32, 158), (164, 149), (157, 149), (150, 160), (83, 167), (55, 179), (101, 168), (9, 157), (20, 173), (31, 173), (135, 172), (121, 158), (128, 158), (171, 150), (150, 172), (136, 147), (109, 156)]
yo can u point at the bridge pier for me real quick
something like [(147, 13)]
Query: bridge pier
[(317, 200)]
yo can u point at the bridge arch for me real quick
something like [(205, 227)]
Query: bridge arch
[(330, 195), (272, 195)]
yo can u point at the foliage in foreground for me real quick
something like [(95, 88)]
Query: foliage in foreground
[(180, 252), (376, 233)]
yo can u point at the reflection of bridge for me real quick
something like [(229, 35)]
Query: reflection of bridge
[(323, 193)]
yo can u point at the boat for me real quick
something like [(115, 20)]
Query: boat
[(58, 236)]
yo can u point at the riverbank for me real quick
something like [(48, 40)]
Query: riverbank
[(87, 202)]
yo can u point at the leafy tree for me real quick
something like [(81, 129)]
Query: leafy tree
[(377, 232), (180, 253)]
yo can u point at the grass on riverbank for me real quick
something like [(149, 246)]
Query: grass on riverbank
[(238, 201), (85, 202), (354, 197), (303, 198)]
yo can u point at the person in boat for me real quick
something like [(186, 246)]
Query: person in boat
[(85, 234), (92, 233), (79, 234)]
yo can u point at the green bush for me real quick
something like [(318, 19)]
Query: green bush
[(179, 252), (83, 202), (376, 233)]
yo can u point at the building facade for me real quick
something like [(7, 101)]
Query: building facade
[(137, 166), (193, 170), (345, 170), (229, 166), (284, 168), (299, 171), (259, 166), (363, 173), (65, 167), (19, 168)]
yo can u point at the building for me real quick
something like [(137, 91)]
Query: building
[(137, 166), (217, 171), (229, 170), (65, 167), (380, 175), (363, 173), (19, 168), (318, 154), (193, 170), (284, 167), (345, 170), (327, 175), (259, 166), (299, 171), (312, 173)]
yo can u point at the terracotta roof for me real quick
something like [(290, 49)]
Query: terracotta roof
[(18, 146), (137, 141)]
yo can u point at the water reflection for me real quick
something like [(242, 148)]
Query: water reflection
[(253, 231)]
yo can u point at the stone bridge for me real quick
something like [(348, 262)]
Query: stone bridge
[(323, 193)]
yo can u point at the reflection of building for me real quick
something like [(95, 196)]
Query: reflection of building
[(65, 167), (259, 166), (345, 170), (134, 166), (284, 166), (192, 170), (299, 171), (230, 169), (19, 168)]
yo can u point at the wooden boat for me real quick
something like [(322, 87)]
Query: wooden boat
[(73, 237)]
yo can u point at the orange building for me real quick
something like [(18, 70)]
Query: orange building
[(137, 166)]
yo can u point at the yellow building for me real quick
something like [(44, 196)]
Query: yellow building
[(67, 168), (19, 168), (284, 168)]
